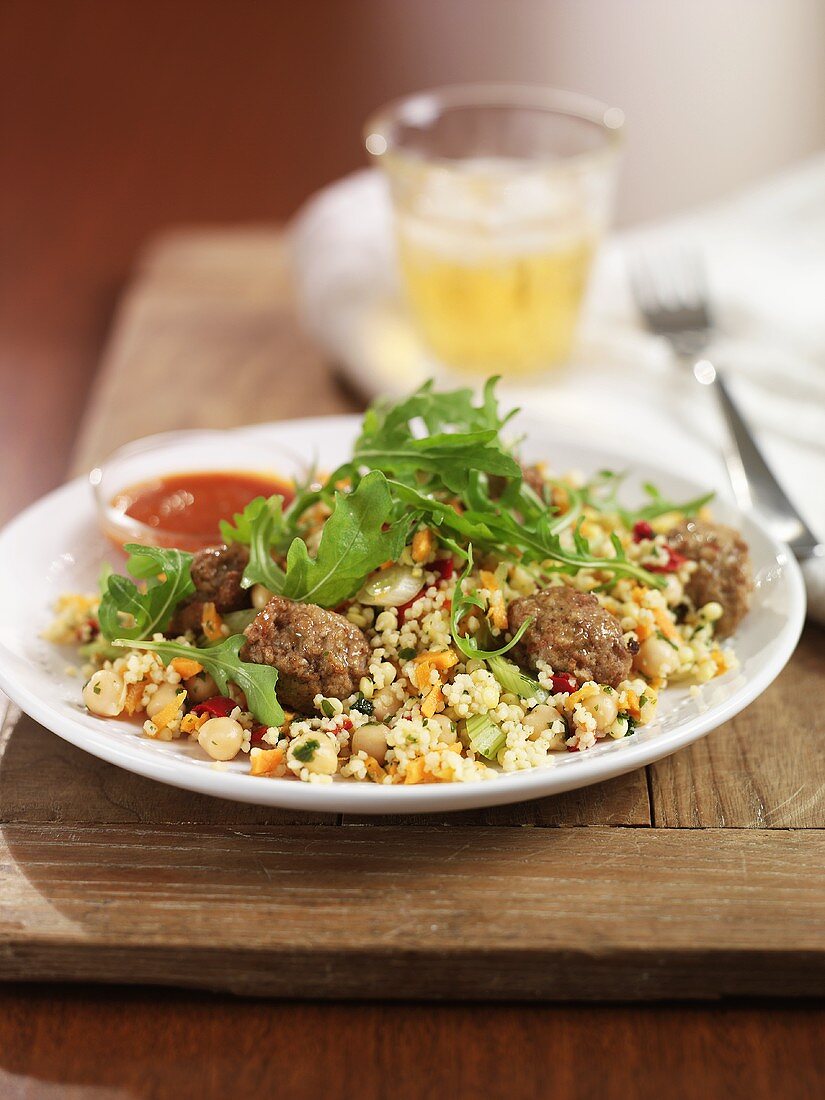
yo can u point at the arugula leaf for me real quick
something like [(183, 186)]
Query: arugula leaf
[(152, 609), (461, 437), (224, 664), (353, 543), (462, 604), (602, 493), (262, 521), (660, 506), (386, 421)]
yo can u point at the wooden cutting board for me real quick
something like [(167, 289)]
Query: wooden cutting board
[(701, 876)]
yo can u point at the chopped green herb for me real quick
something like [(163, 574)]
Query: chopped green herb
[(305, 752), (363, 705), (632, 723), (406, 654), (327, 709)]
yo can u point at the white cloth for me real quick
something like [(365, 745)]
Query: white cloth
[(765, 258)]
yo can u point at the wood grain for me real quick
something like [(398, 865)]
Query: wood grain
[(161, 1043), (412, 912), (45, 779), (763, 770)]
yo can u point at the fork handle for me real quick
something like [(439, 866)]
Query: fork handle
[(754, 483)]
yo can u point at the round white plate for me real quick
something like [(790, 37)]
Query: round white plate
[(55, 546)]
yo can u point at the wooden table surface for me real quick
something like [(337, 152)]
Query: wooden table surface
[(106, 148)]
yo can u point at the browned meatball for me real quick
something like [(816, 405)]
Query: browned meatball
[(216, 573), (572, 633), (723, 571), (314, 650)]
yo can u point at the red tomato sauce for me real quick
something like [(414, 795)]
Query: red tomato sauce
[(185, 509)]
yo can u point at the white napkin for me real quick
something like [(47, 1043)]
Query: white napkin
[(765, 256)]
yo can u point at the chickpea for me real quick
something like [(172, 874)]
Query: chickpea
[(260, 596), (540, 719), (221, 738), (384, 703), (105, 693), (201, 687), (603, 707), (316, 751), (656, 658), (444, 726), (165, 694), (371, 739)]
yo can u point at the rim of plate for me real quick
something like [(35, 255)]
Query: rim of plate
[(363, 798)]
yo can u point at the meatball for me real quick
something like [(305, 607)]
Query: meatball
[(723, 571), (314, 650), (572, 633), (216, 573)]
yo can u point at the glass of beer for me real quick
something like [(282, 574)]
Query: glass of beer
[(501, 194)]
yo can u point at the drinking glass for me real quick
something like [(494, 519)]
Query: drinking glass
[(501, 195)]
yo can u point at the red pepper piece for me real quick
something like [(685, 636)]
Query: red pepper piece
[(219, 706), (256, 738), (642, 530), (674, 560), (403, 608), (445, 567), (564, 682)]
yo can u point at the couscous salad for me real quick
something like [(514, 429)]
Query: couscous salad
[(432, 611)]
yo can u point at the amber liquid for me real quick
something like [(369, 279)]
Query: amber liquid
[(509, 312)]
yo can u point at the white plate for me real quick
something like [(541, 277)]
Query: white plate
[(55, 546)]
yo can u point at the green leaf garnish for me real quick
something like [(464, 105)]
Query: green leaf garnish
[(129, 612), (359, 535), (602, 493), (355, 540), (224, 664)]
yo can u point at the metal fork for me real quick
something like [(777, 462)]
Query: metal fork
[(674, 302)]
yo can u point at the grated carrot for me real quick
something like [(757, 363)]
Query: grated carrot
[(211, 623), (720, 661), (426, 662), (134, 694), (265, 761), (423, 544), (497, 612), (433, 702), (415, 771), (191, 723), (169, 713), (186, 667), (374, 769), (665, 625)]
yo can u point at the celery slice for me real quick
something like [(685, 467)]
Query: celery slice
[(514, 680), (486, 737)]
